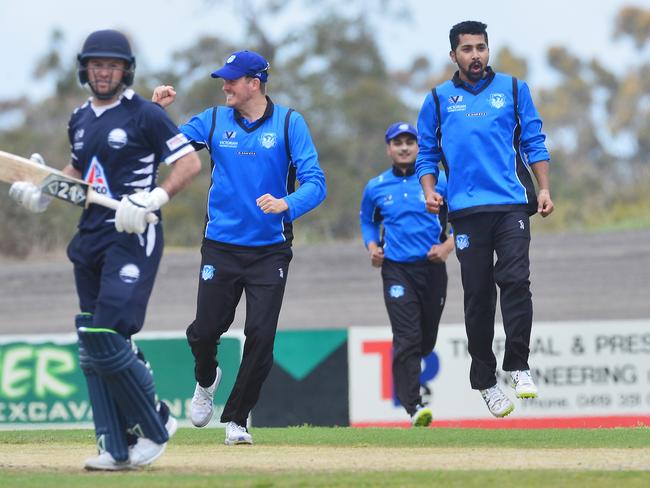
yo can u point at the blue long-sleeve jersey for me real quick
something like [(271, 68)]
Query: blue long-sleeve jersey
[(397, 201), (486, 137), (250, 160)]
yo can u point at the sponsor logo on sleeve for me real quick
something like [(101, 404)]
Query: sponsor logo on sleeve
[(177, 141)]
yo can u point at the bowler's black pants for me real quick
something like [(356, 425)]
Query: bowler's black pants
[(478, 238), (415, 295), (227, 271)]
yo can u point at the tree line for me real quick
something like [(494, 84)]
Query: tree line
[(331, 69)]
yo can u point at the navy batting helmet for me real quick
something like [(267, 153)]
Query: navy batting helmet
[(107, 44)]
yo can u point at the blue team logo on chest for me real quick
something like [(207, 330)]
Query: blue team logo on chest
[(269, 140), (497, 100), (207, 273), (396, 291), (462, 241), (117, 138)]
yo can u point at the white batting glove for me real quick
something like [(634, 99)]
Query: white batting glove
[(28, 194), (131, 215)]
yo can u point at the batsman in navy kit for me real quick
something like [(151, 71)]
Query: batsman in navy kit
[(484, 129), (118, 140), (258, 149), (410, 246)]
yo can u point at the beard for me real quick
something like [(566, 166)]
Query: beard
[(474, 74)]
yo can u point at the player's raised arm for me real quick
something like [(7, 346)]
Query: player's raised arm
[(164, 95)]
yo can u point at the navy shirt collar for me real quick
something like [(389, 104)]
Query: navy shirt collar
[(250, 127), (410, 170), (483, 82)]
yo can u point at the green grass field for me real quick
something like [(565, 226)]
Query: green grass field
[(311, 456)]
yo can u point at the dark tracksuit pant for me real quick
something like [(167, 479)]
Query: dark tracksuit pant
[(226, 272), (478, 238), (415, 295)]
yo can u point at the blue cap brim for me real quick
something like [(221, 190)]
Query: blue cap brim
[(228, 73), (390, 137)]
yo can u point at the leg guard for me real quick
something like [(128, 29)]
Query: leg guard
[(161, 407), (128, 380), (110, 425)]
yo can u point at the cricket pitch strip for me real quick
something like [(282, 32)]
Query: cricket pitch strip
[(278, 458)]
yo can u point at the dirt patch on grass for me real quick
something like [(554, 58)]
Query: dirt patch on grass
[(260, 459)]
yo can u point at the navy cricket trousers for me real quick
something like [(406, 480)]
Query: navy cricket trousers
[(226, 272), (479, 237), (114, 275), (415, 295)]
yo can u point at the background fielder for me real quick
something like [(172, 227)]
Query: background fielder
[(411, 247)]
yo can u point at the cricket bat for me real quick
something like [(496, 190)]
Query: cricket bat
[(55, 183)]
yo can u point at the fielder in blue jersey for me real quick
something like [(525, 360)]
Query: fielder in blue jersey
[(484, 129), (118, 140), (258, 151), (410, 246)]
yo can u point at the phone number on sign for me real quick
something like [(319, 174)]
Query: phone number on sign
[(625, 400)]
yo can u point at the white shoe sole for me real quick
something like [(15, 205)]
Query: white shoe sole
[(505, 413), (229, 442), (526, 394), (125, 466)]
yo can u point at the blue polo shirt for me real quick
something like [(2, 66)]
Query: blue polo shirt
[(485, 144), (396, 201), (250, 160)]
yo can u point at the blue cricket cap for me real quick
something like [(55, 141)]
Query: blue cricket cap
[(400, 128), (244, 63)]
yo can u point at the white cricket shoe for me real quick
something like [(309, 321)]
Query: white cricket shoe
[(497, 402), (524, 385), (145, 451), (105, 462), (236, 434), (422, 417), (202, 407)]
